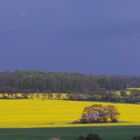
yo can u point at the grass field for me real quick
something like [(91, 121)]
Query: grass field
[(133, 89), (71, 133), (37, 115)]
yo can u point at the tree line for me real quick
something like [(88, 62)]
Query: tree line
[(36, 82), (70, 86)]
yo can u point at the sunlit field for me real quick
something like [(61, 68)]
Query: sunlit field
[(133, 89), (51, 113)]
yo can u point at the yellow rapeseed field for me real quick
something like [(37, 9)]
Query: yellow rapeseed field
[(52, 113), (131, 89)]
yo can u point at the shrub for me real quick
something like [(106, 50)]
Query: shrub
[(81, 138), (54, 138), (136, 138), (91, 136)]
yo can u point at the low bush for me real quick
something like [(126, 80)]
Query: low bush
[(136, 138), (91, 136), (54, 138)]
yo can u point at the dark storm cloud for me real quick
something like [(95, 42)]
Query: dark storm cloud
[(94, 36)]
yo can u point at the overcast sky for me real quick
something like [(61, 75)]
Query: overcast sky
[(87, 36)]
